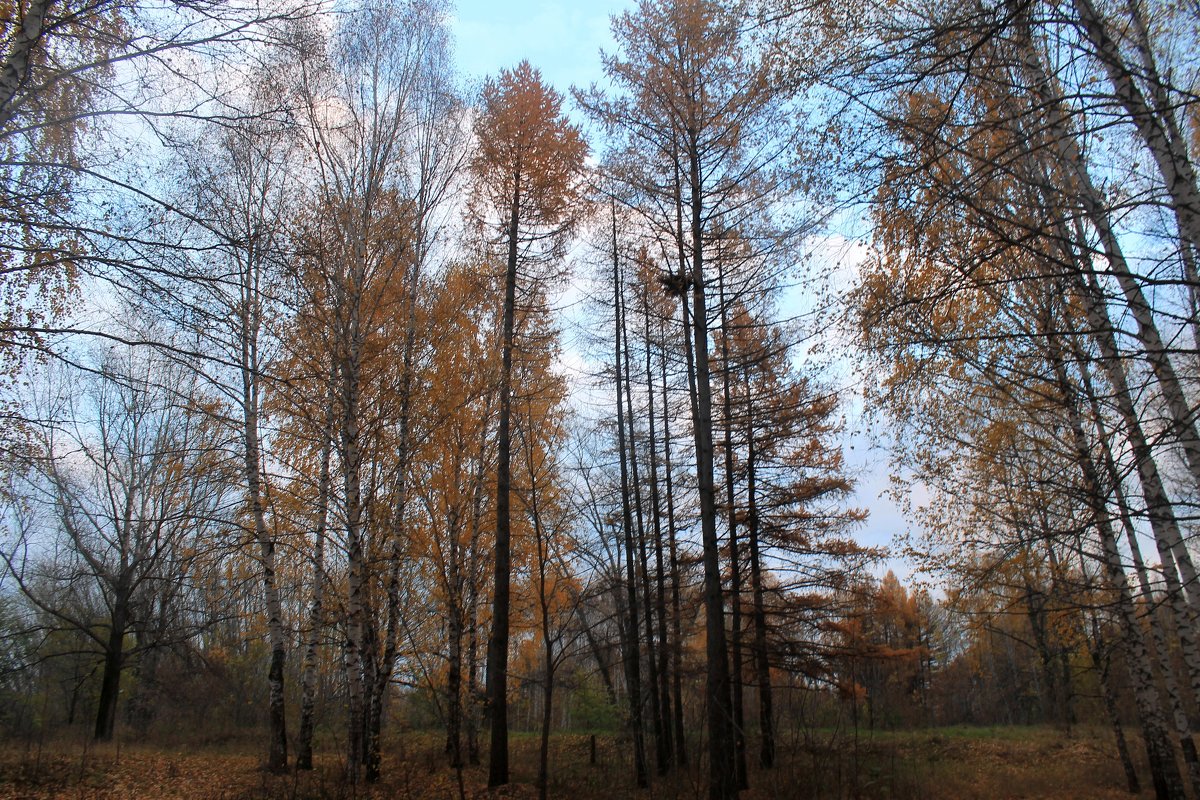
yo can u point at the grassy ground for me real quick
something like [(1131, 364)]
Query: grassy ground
[(944, 763)]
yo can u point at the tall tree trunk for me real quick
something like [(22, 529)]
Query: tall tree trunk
[(722, 773), (735, 566), (497, 669), (308, 675), (1157, 648), (1168, 783), (1158, 505), (676, 603), (396, 556), (1159, 509), (664, 692), (662, 756), (762, 664), (632, 654), (356, 653), (249, 326)]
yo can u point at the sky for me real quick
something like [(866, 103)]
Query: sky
[(561, 39), (564, 41)]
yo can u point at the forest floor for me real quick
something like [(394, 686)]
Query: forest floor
[(938, 764)]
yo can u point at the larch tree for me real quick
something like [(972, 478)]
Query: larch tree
[(455, 465), (703, 133), (527, 170)]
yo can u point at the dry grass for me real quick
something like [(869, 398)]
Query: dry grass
[(960, 763)]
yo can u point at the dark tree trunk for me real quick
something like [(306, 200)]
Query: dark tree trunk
[(662, 756), (722, 772), (664, 693), (543, 778), (632, 651), (110, 680), (497, 665), (454, 685), (676, 610), (762, 664), (735, 566)]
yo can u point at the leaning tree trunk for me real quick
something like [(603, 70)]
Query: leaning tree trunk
[(356, 654), (1158, 132), (1157, 648), (1168, 783), (1159, 509), (1162, 518), (1072, 165)]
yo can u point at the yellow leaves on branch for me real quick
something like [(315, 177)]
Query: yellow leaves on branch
[(529, 156)]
